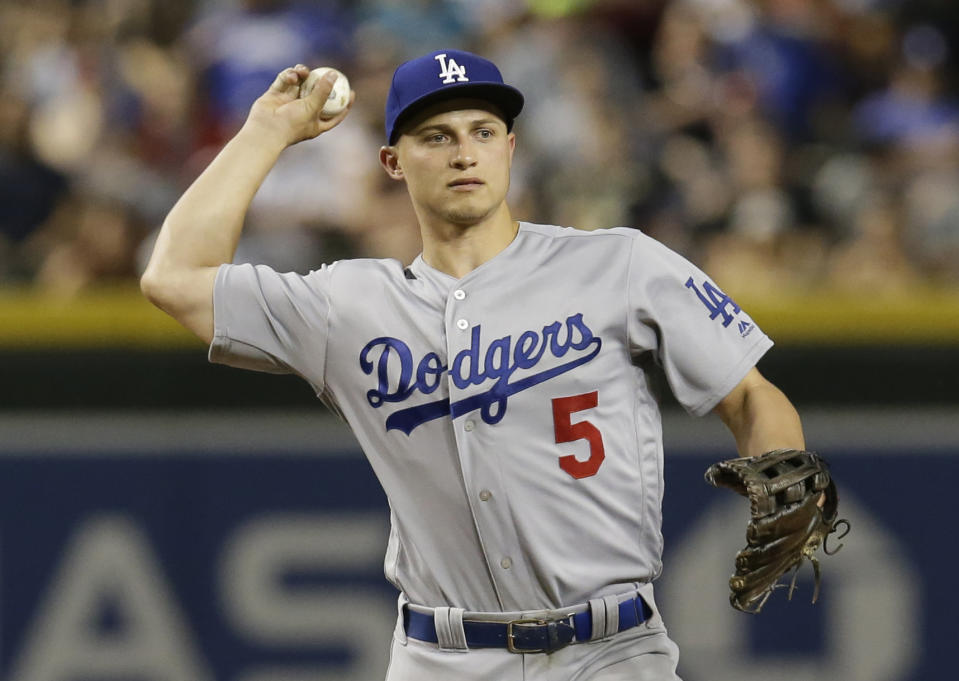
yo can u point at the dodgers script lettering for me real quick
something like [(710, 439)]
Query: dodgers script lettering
[(399, 376)]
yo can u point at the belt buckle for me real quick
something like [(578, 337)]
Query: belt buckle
[(510, 636), (550, 634)]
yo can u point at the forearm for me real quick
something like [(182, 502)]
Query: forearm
[(203, 228), (761, 417)]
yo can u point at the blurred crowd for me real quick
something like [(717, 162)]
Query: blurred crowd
[(787, 145)]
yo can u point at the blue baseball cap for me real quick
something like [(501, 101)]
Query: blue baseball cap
[(446, 74)]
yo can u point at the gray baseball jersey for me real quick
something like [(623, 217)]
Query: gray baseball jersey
[(508, 414)]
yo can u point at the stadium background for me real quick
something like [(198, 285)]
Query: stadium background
[(162, 518)]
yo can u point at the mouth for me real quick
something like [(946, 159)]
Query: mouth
[(465, 183)]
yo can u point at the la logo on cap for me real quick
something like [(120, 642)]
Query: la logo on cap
[(450, 71)]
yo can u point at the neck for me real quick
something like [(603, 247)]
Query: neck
[(457, 250)]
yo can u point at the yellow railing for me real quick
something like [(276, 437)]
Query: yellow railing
[(928, 318), (116, 317), (121, 317)]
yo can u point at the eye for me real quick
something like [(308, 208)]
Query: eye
[(436, 138), (484, 133)]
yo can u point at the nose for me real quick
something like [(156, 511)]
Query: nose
[(464, 156)]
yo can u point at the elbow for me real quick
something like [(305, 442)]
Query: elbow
[(185, 295), (152, 286), (147, 285), (159, 279), (163, 287)]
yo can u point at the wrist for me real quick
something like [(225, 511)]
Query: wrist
[(266, 138)]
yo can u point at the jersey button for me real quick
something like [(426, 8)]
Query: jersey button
[(485, 495), (459, 294), (506, 563), (462, 324), (468, 426)]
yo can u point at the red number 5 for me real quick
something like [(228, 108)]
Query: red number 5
[(566, 431)]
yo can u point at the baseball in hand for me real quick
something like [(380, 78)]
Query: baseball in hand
[(339, 95)]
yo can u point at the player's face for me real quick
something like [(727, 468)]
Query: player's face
[(456, 161)]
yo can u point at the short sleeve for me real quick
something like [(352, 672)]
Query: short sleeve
[(704, 341), (272, 322)]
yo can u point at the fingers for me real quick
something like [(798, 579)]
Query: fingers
[(297, 115), (327, 123), (320, 91), (316, 99), (288, 80)]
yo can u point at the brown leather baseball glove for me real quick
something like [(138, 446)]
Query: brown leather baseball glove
[(793, 503)]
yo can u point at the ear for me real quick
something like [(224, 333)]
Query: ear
[(390, 161)]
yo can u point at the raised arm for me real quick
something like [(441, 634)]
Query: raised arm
[(760, 417), (202, 230)]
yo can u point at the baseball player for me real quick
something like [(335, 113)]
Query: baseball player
[(498, 384)]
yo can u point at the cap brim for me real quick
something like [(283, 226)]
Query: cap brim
[(507, 99)]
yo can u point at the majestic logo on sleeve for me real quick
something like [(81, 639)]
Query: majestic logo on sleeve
[(400, 376), (450, 71)]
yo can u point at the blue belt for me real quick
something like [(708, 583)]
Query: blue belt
[(528, 635)]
